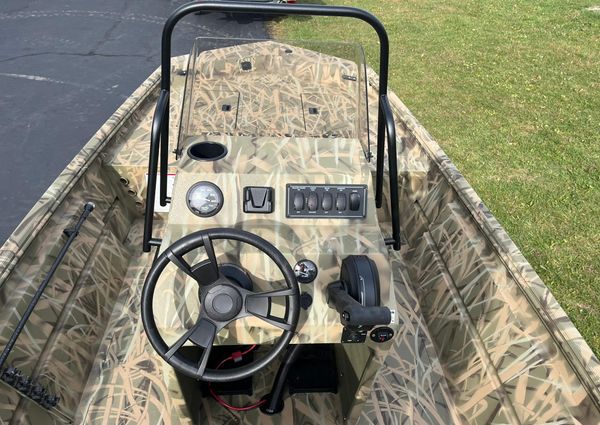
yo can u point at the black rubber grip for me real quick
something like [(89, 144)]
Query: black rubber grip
[(357, 315), (352, 313)]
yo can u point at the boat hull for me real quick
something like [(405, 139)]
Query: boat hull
[(482, 339)]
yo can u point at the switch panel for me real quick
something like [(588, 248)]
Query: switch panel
[(326, 201)]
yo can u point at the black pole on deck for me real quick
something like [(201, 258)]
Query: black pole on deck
[(72, 234)]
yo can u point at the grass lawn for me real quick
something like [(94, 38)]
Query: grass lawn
[(511, 91)]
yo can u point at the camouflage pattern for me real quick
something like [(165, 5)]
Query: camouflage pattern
[(482, 340), (410, 386), (64, 332), (271, 88), (128, 382), (266, 147), (326, 243), (508, 352)]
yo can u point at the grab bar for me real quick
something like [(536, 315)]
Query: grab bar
[(385, 107), (160, 126)]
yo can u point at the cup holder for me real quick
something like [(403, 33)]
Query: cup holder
[(207, 151)]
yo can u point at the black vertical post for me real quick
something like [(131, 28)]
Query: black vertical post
[(380, 155), (162, 105), (392, 169), (164, 155)]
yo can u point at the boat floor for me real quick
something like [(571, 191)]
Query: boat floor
[(130, 383)]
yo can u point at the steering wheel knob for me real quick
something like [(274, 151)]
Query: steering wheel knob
[(222, 303)]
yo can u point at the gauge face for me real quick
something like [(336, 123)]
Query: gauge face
[(204, 199)]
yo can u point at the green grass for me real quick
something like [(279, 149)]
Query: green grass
[(511, 91)]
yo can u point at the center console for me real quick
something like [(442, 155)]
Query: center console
[(286, 191)]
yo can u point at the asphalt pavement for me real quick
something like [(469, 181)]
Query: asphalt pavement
[(65, 67)]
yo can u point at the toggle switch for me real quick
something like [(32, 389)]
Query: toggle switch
[(327, 201), (340, 202), (298, 201), (354, 201), (313, 201)]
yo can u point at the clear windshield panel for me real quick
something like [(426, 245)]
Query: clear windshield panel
[(269, 88)]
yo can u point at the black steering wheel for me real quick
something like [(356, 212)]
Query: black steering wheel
[(223, 301)]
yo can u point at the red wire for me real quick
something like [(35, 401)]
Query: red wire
[(223, 402), (235, 408)]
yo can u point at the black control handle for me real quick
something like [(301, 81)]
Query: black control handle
[(352, 313)]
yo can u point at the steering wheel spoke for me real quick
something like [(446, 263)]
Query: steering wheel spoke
[(213, 266), (275, 321), (178, 344), (284, 292), (202, 334), (183, 265), (258, 304), (205, 272)]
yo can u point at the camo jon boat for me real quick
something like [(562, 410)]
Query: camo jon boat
[(263, 233)]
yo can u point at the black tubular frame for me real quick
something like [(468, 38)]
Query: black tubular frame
[(160, 125)]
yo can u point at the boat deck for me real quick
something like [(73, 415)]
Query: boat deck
[(128, 372)]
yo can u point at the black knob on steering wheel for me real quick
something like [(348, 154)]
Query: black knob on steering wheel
[(223, 301)]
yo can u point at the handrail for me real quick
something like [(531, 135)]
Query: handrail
[(162, 115), (157, 133), (384, 106)]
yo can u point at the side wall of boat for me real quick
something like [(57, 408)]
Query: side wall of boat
[(61, 339), (489, 343), (508, 351)]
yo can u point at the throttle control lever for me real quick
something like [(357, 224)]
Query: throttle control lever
[(352, 313)]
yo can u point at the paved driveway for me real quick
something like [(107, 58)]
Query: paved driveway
[(65, 66)]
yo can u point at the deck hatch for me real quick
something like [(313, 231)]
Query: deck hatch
[(330, 114), (214, 111), (274, 113)]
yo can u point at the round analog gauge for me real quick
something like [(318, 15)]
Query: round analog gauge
[(204, 199)]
